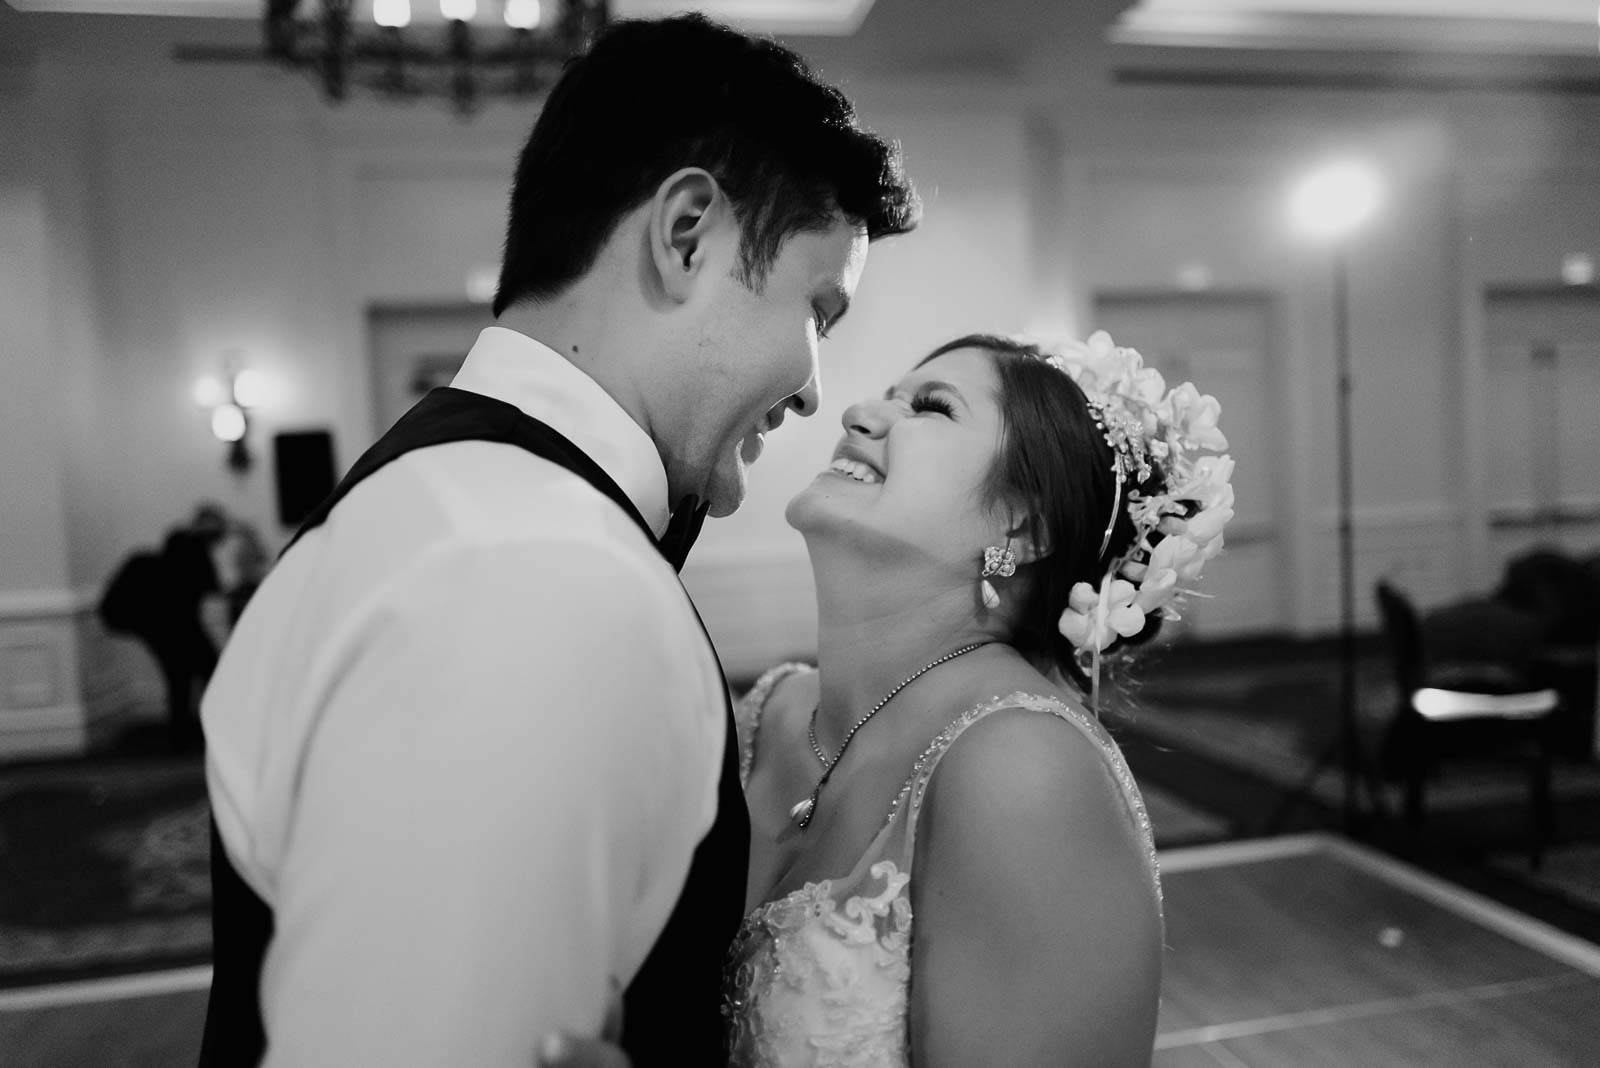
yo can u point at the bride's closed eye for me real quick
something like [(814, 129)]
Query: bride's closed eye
[(932, 402)]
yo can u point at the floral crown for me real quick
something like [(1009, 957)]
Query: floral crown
[(1170, 436)]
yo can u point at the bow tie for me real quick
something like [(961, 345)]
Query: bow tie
[(682, 529)]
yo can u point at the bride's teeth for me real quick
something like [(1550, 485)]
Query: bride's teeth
[(853, 469)]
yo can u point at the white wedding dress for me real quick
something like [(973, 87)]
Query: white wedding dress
[(818, 978)]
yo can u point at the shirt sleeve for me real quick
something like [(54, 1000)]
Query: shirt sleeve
[(514, 757)]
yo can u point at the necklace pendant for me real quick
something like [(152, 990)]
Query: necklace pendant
[(801, 812)]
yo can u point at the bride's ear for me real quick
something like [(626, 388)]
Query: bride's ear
[(1029, 540)]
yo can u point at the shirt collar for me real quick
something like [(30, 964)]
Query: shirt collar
[(514, 368)]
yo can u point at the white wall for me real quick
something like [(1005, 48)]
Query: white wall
[(40, 704)]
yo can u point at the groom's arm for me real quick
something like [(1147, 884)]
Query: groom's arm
[(514, 762)]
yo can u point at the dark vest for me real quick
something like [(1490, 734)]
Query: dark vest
[(671, 1009)]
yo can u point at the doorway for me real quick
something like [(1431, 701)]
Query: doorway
[(415, 348)]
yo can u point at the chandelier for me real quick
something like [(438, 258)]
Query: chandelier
[(463, 58)]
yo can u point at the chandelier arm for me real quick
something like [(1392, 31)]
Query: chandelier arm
[(464, 66)]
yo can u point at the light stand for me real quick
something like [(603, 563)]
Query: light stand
[(1331, 204), (1349, 744)]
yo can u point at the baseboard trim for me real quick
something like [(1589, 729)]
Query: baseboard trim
[(63, 734), (44, 604)]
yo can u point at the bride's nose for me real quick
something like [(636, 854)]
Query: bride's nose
[(870, 418)]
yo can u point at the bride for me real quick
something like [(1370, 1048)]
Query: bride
[(950, 863)]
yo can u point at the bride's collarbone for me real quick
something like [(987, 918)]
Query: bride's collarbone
[(851, 812), (854, 804), (851, 808), (778, 771)]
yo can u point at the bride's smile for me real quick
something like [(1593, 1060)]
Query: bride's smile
[(909, 470)]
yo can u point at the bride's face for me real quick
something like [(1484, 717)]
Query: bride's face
[(911, 466)]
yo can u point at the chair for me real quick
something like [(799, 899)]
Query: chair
[(1464, 692)]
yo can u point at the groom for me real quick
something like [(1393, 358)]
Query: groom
[(470, 754)]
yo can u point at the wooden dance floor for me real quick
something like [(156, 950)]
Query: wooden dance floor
[(1282, 953), (1310, 951)]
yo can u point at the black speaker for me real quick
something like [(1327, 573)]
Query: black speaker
[(303, 461)]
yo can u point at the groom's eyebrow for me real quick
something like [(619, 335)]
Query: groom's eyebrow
[(840, 300)]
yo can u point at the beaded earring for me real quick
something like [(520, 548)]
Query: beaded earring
[(996, 561)]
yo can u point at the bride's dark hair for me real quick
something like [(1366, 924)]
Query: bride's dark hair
[(1055, 466)]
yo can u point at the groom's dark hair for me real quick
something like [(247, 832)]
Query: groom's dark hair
[(652, 97)]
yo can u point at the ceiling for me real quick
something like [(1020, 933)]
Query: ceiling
[(1538, 45), (1568, 27)]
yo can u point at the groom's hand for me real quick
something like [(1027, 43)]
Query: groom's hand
[(560, 1050)]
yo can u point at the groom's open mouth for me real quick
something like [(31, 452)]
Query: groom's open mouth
[(754, 442)]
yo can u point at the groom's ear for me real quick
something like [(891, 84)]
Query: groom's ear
[(684, 216)]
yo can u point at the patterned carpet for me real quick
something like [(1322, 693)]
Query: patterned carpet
[(1571, 871), (104, 863), (1176, 822), (106, 870), (1240, 729), (1274, 722)]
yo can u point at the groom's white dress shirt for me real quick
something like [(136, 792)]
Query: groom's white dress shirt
[(465, 740)]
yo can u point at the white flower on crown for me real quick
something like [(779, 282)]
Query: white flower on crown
[(1083, 624), (1178, 525), (1098, 365), (1192, 417), (1208, 483)]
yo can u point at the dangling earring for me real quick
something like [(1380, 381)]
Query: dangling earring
[(996, 561)]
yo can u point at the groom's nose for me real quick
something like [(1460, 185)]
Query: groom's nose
[(809, 399), (804, 403)]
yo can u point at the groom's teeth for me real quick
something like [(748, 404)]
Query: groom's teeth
[(854, 469)]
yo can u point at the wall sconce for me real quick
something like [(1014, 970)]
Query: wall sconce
[(1577, 269), (229, 399)]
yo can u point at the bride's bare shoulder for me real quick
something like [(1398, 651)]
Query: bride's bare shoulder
[(1025, 842), (769, 707), (778, 684), (794, 693), (1018, 768)]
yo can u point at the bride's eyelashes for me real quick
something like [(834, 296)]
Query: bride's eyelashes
[(932, 402), (927, 399)]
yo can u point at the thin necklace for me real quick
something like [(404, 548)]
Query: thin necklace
[(802, 812)]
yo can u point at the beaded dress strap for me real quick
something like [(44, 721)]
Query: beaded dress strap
[(747, 713), (911, 794)]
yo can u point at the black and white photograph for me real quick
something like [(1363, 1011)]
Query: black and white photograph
[(799, 533)]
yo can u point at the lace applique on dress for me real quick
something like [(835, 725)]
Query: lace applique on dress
[(813, 981), (818, 978)]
